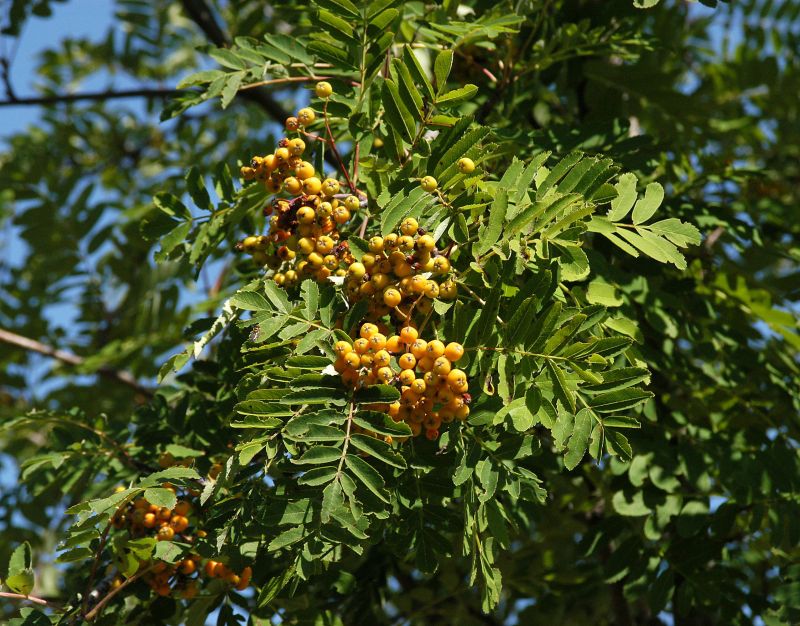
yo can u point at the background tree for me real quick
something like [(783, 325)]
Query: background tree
[(692, 517)]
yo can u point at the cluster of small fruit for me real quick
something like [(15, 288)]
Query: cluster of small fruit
[(432, 392), (141, 518), (306, 225), (396, 275)]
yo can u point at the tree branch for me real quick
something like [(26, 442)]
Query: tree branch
[(144, 92), (71, 359), (202, 15), (19, 596)]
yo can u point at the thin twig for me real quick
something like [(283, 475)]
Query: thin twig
[(280, 81), (19, 596), (332, 144), (141, 92), (91, 615), (71, 359)]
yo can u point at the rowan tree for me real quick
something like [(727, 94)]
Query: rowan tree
[(404, 313)]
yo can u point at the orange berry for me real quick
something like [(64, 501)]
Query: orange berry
[(407, 361), (352, 359), (368, 330), (342, 348), (182, 508), (392, 297), (244, 578), (435, 349), (419, 348), (187, 566), (408, 334), (441, 366), (432, 434), (407, 377), (393, 344), (165, 533), (453, 351)]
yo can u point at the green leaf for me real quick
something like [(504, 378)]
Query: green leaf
[(318, 455), (312, 395), (231, 88), (20, 577), (441, 68), (318, 476), (378, 449), (197, 189), (401, 206), (199, 78), (287, 538), (228, 59), (340, 5), (489, 234), (161, 497), (626, 196), (617, 444), (647, 206), (250, 301), (415, 70), (456, 96), (367, 474), (381, 423), (560, 388), (619, 400), (579, 441), (396, 113), (376, 394), (408, 89), (519, 324), (340, 26)]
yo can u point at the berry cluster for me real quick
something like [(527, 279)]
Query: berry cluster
[(396, 275), (141, 518), (307, 224), (432, 391)]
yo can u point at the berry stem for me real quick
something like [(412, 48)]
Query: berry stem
[(332, 143)]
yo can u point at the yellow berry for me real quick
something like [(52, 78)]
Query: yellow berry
[(323, 89), (376, 244), (305, 116), (429, 183), (330, 186), (368, 330), (352, 203), (304, 170), (312, 186), (409, 226), (391, 297), (356, 270), (434, 349), (407, 361), (454, 351), (292, 185), (297, 146), (466, 165)]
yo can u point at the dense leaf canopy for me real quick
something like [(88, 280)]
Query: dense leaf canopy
[(622, 245)]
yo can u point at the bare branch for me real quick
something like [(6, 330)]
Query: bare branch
[(72, 359), (144, 92), (19, 596)]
